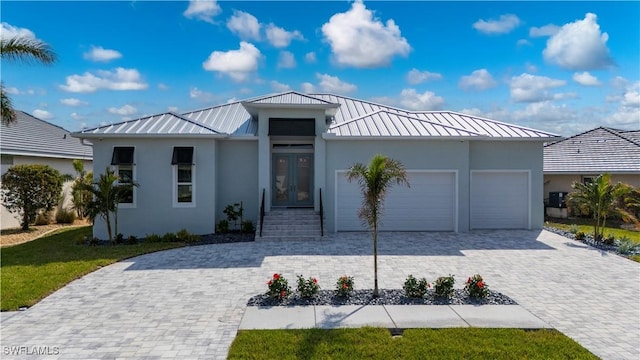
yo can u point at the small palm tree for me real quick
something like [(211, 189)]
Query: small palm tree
[(107, 194), (24, 49), (81, 197), (599, 198), (375, 180)]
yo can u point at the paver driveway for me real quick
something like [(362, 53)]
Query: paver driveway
[(187, 303)]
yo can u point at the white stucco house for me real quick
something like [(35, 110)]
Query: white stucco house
[(34, 141), (465, 172)]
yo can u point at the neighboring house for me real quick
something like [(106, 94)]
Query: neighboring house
[(582, 157), (465, 172), (33, 141)]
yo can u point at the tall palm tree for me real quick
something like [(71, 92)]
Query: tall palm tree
[(599, 198), (375, 180), (21, 49)]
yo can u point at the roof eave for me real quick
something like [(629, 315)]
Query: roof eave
[(332, 136), (100, 136), (329, 109)]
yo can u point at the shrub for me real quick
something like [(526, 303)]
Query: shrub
[(626, 246), (43, 218), (152, 238), (278, 287), (476, 287), (415, 288), (64, 216), (580, 235), (248, 227), (307, 288), (444, 286), (344, 285), (132, 240), (222, 227), (169, 237), (234, 213), (609, 240), (187, 237), (119, 239), (573, 229)]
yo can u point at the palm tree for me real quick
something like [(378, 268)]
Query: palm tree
[(599, 198), (21, 49), (375, 180), (81, 197)]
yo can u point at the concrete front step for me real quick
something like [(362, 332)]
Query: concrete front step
[(290, 225), (288, 238)]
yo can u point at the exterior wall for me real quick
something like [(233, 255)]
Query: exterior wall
[(154, 211), (64, 166), (237, 177), (414, 154), (553, 182), (513, 155)]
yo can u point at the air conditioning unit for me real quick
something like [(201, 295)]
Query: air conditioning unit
[(557, 199)]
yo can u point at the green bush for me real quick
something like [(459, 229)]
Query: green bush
[(476, 287), (609, 240), (278, 287), (132, 240), (222, 227), (444, 286), (187, 237), (248, 227), (64, 216), (307, 288), (626, 246), (573, 229), (580, 235), (153, 238), (344, 285), (415, 288), (169, 237), (43, 218)]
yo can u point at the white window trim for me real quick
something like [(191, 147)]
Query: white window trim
[(116, 170), (191, 204)]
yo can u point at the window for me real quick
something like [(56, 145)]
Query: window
[(184, 176), (122, 159)]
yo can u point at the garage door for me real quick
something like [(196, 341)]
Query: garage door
[(428, 205), (499, 200)]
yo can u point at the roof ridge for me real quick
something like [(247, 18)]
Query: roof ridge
[(309, 96), (618, 134), (493, 121), (364, 101), (190, 121), (609, 130)]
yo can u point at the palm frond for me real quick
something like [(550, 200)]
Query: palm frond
[(8, 114), (27, 50)]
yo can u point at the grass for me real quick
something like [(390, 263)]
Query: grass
[(33, 270), (376, 343), (587, 228)]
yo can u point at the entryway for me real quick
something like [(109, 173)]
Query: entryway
[(292, 181)]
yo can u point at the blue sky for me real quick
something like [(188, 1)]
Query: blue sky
[(563, 67)]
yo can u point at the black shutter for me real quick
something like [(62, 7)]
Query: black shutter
[(122, 155), (292, 127), (182, 155)]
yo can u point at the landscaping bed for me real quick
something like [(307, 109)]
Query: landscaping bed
[(615, 248)]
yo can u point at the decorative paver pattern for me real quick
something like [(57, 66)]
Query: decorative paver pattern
[(188, 303)]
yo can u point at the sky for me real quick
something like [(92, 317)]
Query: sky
[(562, 67)]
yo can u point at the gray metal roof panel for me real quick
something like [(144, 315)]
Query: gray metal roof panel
[(30, 135), (161, 124), (230, 118), (595, 151), (289, 98)]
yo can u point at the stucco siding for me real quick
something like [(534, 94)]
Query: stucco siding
[(414, 155), (153, 210), (237, 177), (563, 182), (513, 155)]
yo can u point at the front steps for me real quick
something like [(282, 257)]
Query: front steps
[(290, 224)]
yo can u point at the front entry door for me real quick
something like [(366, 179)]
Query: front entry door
[(292, 181)]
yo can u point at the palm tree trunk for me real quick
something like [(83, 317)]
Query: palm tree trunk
[(108, 220), (375, 259), (115, 219)]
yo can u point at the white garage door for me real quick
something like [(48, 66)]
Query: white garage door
[(499, 200), (428, 205)]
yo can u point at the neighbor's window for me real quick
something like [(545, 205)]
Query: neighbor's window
[(122, 159), (182, 161)]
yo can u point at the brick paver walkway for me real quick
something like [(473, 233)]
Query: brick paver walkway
[(187, 303)]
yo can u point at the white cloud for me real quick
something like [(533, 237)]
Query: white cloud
[(503, 25), (579, 46), (12, 90), (478, 80), (310, 57), (237, 64), (523, 42), (547, 30), (358, 39), (204, 10), (8, 31), (124, 110), (163, 86), (73, 102), (173, 109), (118, 79), (631, 99), (308, 88), (197, 94), (43, 114), (333, 84), (532, 88), (549, 116), (244, 25), (619, 82), (78, 117), (279, 87), (415, 76), (586, 79), (412, 100), (531, 68), (100, 54), (280, 37), (286, 60)]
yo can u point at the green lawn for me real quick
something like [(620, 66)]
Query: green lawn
[(376, 343), (33, 270)]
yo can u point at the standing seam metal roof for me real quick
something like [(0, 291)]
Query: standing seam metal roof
[(161, 124)]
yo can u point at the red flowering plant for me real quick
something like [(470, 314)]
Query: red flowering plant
[(278, 287), (307, 288), (415, 288), (443, 286), (476, 287), (344, 285)]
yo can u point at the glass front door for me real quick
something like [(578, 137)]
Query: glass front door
[(292, 180)]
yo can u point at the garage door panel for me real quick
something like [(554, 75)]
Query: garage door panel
[(428, 205), (499, 200)]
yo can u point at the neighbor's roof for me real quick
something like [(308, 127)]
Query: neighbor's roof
[(349, 117), (30, 136), (167, 124), (594, 152)]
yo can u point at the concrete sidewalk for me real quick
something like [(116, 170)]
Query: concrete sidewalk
[(389, 316)]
